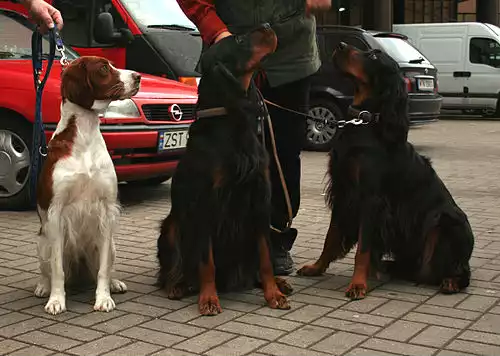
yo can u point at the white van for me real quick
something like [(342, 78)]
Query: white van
[(467, 56)]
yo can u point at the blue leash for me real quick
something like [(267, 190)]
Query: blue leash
[(39, 147)]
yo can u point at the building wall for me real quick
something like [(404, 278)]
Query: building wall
[(467, 11)]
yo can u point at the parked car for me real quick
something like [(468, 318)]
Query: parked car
[(332, 93), (467, 55), (145, 135), (148, 36)]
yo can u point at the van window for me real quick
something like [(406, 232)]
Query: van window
[(484, 51), (76, 16)]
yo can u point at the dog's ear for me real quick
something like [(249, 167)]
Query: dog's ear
[(76, 86)]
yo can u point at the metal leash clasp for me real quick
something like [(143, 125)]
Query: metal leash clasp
[(60, 48)]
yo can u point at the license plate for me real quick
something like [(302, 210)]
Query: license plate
[(172, 140), (426, 84)]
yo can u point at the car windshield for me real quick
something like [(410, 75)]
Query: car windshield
[(401, 51), (15, 38), (159, 13)]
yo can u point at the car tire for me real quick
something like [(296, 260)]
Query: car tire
[(15, 146), (319, 134), (149, 182)]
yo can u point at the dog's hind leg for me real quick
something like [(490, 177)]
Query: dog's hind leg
[(273, 295), (332, 250), (208, 301)]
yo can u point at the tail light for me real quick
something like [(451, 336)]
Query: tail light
[(409, 87), (436, 86), (190, 81)]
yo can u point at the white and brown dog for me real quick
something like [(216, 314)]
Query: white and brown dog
[(77, 196)]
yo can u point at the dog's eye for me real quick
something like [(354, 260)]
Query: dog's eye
[(104, 70)]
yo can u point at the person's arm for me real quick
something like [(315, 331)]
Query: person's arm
[(202, 13)]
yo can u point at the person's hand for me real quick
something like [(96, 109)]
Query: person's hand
[(312, 5), (222, 35), (44, 14)]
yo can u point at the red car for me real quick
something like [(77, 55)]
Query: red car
[(145, 135)]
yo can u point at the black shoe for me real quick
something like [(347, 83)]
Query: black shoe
[(282, 244)]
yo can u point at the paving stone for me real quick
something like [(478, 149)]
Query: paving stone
[(161, 302), (365, 352), (278, 349), (173, 352), (205, 341), (307, 314), (94, 318), (401, 330), (154, 337), (73, 332), (205, 322), (475, 348), (122, 322), (31, 351), (144, 309), (241, 345), (184, 315), (305, 336), (361, 318), (448, 312), (12, 318), (477, 303), (100, 346), (436, 336), (48, 341), (267, 321), (480, 336), (394, 308), (23, 326), (7, 346), (365, 305), (254, 331), (313, 299), (137, 348), (487, 323), (437, 320), (346, 325), (173, 328), (398, 347)]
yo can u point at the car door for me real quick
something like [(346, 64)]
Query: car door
[(483, 64)]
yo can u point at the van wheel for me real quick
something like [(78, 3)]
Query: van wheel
[(320, 131), (15, 160), (149, 182)]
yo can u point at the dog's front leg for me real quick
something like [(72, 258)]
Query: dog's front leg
[(57, 299), (274, 297), (208, 302), (103, 300), (358, 287)]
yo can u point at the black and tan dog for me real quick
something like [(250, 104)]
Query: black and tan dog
[(216, 235), (385, 196)]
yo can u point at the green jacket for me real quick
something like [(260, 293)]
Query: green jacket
[(297, 54)]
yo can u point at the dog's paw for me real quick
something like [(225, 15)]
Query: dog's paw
[(177, 292), (283, 285), (310, 270), (104, 303), (356, 291), (56, 305), (276, 300), (209, 305), (449, 286), (117, 286), (42, 289)]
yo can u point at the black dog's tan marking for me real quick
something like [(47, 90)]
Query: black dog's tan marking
[(216, 235), (386, 197)]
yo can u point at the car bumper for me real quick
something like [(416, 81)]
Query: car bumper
[(424, 108), (133, 149)]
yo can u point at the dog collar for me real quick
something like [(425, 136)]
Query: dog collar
[(212, 112), (362, 116)]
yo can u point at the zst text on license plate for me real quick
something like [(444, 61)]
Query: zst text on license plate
[(172, 140), (426, 84)]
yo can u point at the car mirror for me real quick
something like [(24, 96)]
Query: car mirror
[(105, 33)]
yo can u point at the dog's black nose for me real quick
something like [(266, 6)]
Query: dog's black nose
[(137, 77), (342, 45)]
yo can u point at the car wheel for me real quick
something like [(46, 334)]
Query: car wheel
[(149, 182), (15, 159), (320, 131)]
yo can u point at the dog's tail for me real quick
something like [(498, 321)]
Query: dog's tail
[(169, 255)]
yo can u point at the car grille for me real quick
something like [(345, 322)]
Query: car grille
[(159, 112)]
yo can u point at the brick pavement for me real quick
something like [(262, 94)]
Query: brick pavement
[(396, 318)]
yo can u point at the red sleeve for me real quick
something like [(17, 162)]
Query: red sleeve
[(202, 13)]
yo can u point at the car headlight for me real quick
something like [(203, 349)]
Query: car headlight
[(120, 109)]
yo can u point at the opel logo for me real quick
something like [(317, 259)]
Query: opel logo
[(426, 71), (175, 112)]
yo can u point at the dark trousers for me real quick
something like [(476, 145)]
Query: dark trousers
[(289, 131)]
